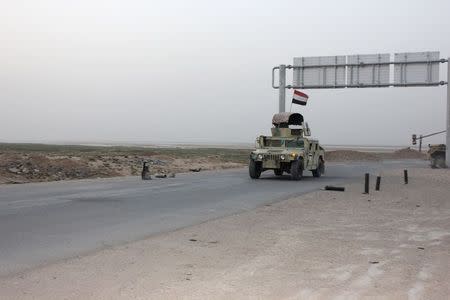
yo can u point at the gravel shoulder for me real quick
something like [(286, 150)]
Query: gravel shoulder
[(389, 244)]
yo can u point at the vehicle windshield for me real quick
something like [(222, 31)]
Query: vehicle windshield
[(273, 143), (295, 144)]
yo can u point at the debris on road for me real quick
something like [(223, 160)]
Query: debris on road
[(158, 162), (164, 175), (13, 170), (195, 169), (334, 188)]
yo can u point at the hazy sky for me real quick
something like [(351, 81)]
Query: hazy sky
[(200, 71)]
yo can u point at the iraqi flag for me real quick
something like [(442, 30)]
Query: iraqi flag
[(299, 98)]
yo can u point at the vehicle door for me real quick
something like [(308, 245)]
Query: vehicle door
[(310, 155)]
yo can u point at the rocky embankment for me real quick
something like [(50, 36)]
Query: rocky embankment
[(50, 163), (22, 168)]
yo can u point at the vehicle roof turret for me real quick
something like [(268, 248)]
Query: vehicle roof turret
[(283, 120)]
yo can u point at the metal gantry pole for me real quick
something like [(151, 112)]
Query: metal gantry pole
[(282, 89), (447, 152)]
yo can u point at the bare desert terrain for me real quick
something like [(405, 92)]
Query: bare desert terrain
[(21, 163)]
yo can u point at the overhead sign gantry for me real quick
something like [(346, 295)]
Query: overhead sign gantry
[(410, 69)]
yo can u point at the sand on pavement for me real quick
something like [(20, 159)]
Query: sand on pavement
[(394, 243)]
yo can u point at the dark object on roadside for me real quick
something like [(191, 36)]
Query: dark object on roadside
[(335, 188), (161, 175), (366, 183), (437, 156), (377, 185), (195, 169), (192, 240), (145, 171), (405, 176), (374, 262), (17, 182), (158, 162), (421, 248)]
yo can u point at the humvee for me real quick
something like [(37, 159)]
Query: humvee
[(288, 149), (437, 156)]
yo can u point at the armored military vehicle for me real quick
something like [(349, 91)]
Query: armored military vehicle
[(288, 149), (437, 156)]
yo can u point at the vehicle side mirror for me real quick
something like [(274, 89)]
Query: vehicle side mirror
[(259, 142)]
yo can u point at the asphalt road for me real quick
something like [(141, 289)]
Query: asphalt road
[(46, 222)]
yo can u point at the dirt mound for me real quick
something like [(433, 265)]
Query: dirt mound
[(34, 164), (28, 168), (408, 153), (349, 155)]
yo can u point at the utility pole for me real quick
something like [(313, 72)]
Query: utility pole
[(420, 143), (447, 142)]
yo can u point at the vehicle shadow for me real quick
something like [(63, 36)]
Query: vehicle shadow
[(307, 178)]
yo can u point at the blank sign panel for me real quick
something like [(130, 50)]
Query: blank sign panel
[(416, 73), (360, 75), (325, 73)]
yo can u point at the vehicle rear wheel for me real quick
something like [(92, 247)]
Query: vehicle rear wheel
[(254, 169), (278, 172), (320, 169), (297, 169)]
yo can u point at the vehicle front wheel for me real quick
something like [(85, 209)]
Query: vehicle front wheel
[(254, 169), (320, 169), (278, 172), (297, 169)]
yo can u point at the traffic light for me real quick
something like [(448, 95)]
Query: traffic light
[(414, 139)]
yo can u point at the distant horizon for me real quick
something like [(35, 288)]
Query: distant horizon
[(111, 143)]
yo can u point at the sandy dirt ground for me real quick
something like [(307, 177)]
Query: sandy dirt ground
[(391, 244)]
